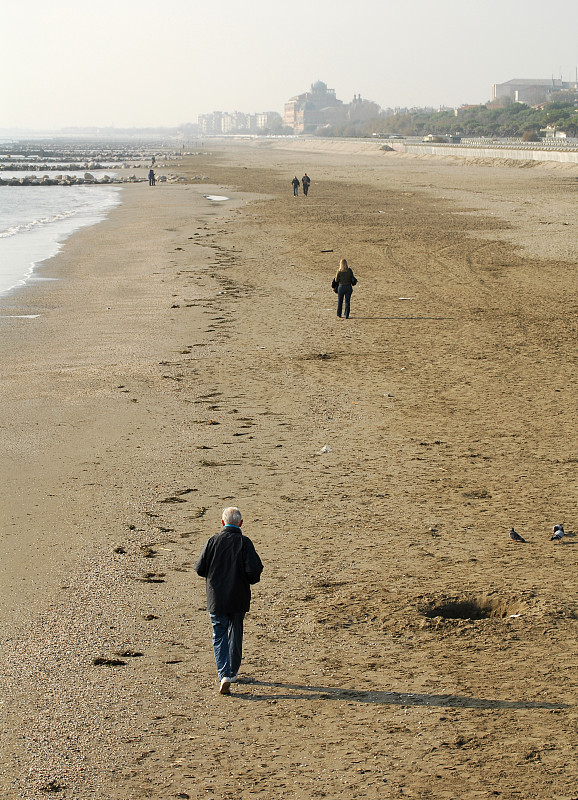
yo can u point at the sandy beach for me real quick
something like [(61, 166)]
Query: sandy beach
[(186, 356)]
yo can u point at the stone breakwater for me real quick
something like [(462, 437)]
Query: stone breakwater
[(89, 179), (69, 166)]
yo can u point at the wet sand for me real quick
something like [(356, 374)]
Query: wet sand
[(188, 357)]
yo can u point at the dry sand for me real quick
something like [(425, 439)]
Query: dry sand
[(188, 357)]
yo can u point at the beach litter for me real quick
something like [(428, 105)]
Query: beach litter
[(53, 786), (324, 449), (129, 654)]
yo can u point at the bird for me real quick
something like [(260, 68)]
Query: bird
[(515, 537), (557, 533)]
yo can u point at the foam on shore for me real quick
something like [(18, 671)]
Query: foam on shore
[(35, 221)]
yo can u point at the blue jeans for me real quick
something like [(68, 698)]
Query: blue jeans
[(227, 642), (343, 292)]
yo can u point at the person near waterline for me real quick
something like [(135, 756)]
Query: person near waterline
[(230, 564), (152, 180), (305, 182), (343, 284), (295, 185)]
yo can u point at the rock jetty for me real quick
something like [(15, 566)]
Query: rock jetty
[(88, 179), (78, 163), (68, 180)]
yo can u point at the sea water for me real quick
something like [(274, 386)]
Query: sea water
[(36, 220)]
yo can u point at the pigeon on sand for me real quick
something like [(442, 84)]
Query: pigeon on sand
[(515, 537), (557, 533)]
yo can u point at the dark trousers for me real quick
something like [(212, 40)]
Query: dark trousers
[(305, 189), (343, 292)]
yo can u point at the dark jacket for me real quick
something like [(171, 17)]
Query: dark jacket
[(345, 277), (230, 564)]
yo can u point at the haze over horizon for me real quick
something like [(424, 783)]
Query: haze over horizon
[(138, 64)]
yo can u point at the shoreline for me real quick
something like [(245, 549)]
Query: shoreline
[(445, 428), (48, 306), (30, 250)]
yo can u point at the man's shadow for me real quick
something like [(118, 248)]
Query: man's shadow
[(291, 691), (415, 319)]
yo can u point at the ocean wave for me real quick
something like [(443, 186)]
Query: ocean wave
[(35, 223)]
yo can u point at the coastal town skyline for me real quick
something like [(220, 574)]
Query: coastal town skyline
[(127, 68), (320, 111)]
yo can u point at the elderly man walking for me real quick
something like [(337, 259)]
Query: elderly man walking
[(230, 564)]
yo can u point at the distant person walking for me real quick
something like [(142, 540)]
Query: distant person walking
[(152, 179), (230, 564), (343, 284), (305, 182), (295, 185)]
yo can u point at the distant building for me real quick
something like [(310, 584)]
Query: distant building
[(210, 124), (314, 108), (319, 107), (529, 91), (360, 110), (550, 132), (229, 122), (267, 120), (235, 121)]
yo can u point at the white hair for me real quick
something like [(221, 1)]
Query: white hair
[(232, 516)]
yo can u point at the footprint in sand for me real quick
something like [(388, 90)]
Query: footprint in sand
[(152, 577), (102, 661)]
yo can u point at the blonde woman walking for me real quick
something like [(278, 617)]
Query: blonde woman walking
[(343, 284)]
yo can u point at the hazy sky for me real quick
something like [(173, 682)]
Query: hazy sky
[(138, 62)]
